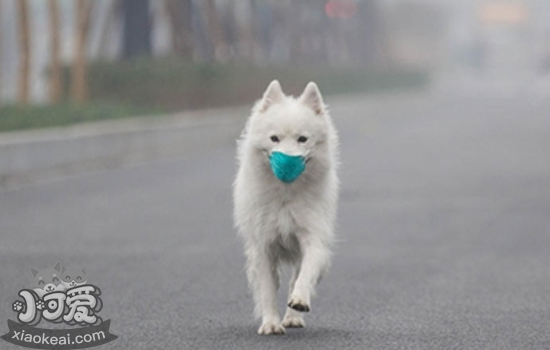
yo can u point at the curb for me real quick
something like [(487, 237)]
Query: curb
[(35, 156)]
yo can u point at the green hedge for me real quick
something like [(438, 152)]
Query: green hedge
[(144, 87), (175, 85), (14, 117)]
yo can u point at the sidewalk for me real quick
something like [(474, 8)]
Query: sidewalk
[(28, 157)]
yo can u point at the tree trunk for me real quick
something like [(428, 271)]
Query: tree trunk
[(55, 54), (294, 12), (137, 28), (187, 27), (112, 15), (214, 30), (247, 39), (79, 69), (178, 13), (24, 51)]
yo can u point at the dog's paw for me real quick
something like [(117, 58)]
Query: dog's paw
[(269, 327), (293, 322), (299, 304)]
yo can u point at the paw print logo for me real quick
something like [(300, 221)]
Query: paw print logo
[(17, 306), (40, 305)]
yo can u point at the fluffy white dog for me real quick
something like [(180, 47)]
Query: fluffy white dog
[(285, 198)]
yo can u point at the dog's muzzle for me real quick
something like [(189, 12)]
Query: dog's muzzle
[(287, 168)]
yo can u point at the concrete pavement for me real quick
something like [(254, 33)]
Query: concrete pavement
[(444, 232), (36, 156)]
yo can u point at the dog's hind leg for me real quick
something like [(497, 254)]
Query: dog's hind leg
[(263, 276), (293, 318)]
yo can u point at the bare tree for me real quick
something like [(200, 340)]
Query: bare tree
[(215, 30), (179, 16), (79, 68), (112, 15), (294, 13), (247, 39), (24, 51), (55, 48)]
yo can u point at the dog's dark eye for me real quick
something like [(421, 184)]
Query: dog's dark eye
[(302, 139), (274, 138), (78, 278), (40, 283), (55, 279), (67, 277)]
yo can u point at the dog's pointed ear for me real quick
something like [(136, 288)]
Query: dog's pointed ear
[(272, 95), (34, 272), (57, 267), (312, 98)]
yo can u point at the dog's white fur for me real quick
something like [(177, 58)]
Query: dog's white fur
[(286, 223)]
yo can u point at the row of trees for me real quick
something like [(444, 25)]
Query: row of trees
[(78, 69), (334, 31)]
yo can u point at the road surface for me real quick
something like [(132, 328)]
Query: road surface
[(444, 236)]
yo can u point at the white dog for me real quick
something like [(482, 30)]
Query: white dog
[(285, 198)]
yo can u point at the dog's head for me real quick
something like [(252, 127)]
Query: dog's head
[(291, 132)]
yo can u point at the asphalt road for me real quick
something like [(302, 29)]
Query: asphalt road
[(444, 236)]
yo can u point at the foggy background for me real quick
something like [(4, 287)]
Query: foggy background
[(118, 122), (454, 41)]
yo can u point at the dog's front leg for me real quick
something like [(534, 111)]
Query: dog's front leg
[(315, 261), (293, 318), (264, 280)]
